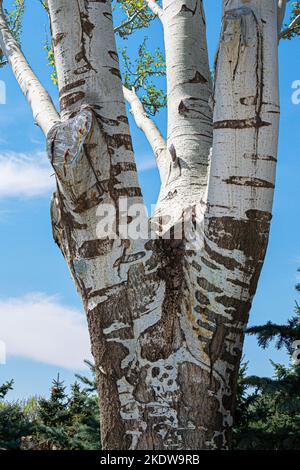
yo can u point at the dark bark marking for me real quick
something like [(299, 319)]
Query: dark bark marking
[(186, 9), (228, 263), (121, 167), (207, 286), (70, 99), (198, 78), (249, 100), (252, 182), (209, 264), (114, 55), (58, 38), (191, 107), (250, 236), (107, 15), (238, 283), (86, 24), (116, 141), (125, 259), (93, 248), (166, 336), (255, 123), (116, 72), (259, 215), (172, 152), (239, 309), (108, 121), (259, 157), (202, 410), (71, 86), (88, 199), (123, 119)]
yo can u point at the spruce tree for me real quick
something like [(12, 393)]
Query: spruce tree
[(269, 417), (14, 424)]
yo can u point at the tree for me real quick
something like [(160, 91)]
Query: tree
[(269, 417), (66, 422), (167, 300), (14, 424)]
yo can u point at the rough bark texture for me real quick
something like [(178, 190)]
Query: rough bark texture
[(167, 316)]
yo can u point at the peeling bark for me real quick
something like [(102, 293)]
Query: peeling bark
[(166, 315)]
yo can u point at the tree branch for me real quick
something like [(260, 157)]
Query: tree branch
[(43, 109), (129, 20), (189, 136), (294, 25), (145, 123), (157, 10), (281, 13)]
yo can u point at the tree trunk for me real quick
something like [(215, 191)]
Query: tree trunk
[(166, 313), (166, 317)]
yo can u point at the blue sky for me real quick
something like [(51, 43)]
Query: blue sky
[(41, 319)]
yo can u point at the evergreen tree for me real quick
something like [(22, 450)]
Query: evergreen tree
[(269, 417), (14, 424), (89, 382), (54, 418), (67, 422)]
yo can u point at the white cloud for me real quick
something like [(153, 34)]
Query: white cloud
[(24, 175), (38, 327), (145, 162), (31, 175)]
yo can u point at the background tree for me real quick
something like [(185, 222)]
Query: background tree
[(69, 422), (14, 424), (269, 417), (64, 421), (166, 314)]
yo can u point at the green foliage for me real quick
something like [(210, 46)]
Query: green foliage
[(269, 416), (141, 73), (134, 15), (294, 30), (68, 422), (5, 388), (62, 421), (90, 383), (51, 62), (284, 335), (14, 423)]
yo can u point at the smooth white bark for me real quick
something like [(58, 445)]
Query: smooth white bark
[(157, 10), (189, 115), (281, 13), (44, 112), (147, 125), (242, 175)]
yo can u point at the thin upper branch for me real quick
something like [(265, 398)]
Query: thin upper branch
[(157, 10), (281, 13), (129, 20), (293, 27), (146, 124), (43, 109)]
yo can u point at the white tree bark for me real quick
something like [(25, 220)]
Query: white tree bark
[(166, 315), (44, 112), (150, 130), (157, 10), (189, 114), (242, 179)]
